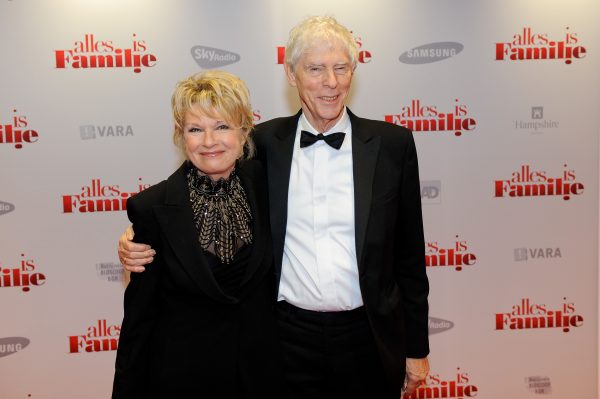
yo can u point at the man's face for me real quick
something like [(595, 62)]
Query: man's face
[(322, 75)]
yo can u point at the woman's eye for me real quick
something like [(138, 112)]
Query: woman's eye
[(222, 127), (193, 130)]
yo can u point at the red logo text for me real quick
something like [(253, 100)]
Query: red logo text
[(256, 116), (527, 45), (91, 53), (16, 132), (99, 197), (528, 315), (428, 118), (458, 387), (528, 182), (22, 275), (457, 255), (100, 337)]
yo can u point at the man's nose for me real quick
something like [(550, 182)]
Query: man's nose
[(330, 78)]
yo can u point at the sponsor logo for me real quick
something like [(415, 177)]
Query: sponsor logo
[(17, 132), (428, 118), (439, 325), (91, 53), (528, 315), (364, 56), (431, 52), (10, 345), (459, 387), (110, 271), (99, 337), (22, 275), (527, 182), (539, 385), (537, 124), (527, 45), (525, 254), (431, 191), (457, 256), (99, 197), (93, 131), (210, 57), (6, 207)]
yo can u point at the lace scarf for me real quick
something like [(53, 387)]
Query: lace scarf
[(221, 214)]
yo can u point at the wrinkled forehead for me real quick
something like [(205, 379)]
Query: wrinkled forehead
[(321, 50)]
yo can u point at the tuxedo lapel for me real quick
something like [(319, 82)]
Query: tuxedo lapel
[(365, 150), (278, 170), (177, 221)]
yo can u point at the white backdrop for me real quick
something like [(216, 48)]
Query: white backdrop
[(76, 135)]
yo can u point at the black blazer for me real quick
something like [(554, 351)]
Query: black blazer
[(181, 335), (390, 245)]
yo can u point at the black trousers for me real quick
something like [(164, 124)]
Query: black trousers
[(329, 354)]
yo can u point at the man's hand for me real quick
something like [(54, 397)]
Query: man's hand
[(416, 372), (134, 256)]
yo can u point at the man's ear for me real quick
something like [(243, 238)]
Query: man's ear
[(291, 77)]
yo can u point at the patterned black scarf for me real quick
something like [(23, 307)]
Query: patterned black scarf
[(221, 214)]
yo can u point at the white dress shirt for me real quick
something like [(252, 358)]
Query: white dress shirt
[(319, 269)]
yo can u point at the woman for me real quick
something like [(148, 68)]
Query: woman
[(199, 322)]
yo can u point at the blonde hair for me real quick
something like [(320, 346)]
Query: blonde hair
[(316, 29), (219, 95)]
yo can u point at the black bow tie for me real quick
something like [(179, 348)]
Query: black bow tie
[(334, 139)]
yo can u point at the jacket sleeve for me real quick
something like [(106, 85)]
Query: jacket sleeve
[(140, 311), (410, 270)]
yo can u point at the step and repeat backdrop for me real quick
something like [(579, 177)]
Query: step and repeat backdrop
[(503, 98)]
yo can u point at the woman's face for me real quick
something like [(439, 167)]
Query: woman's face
[(212, 145)]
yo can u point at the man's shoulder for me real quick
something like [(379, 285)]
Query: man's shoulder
[(381, 128), (272, 124)]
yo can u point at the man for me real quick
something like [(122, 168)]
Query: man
[(347, 232)]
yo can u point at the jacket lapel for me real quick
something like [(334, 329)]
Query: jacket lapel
[(176, 219), (278, 170), (250, 183), (365, 150)]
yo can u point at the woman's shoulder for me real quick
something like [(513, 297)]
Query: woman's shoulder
[(157, 193), (150, 196)]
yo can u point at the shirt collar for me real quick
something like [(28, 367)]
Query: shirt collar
[(343, 125)]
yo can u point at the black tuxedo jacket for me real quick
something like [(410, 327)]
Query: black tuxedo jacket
[(389, 230), (181, 335)]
